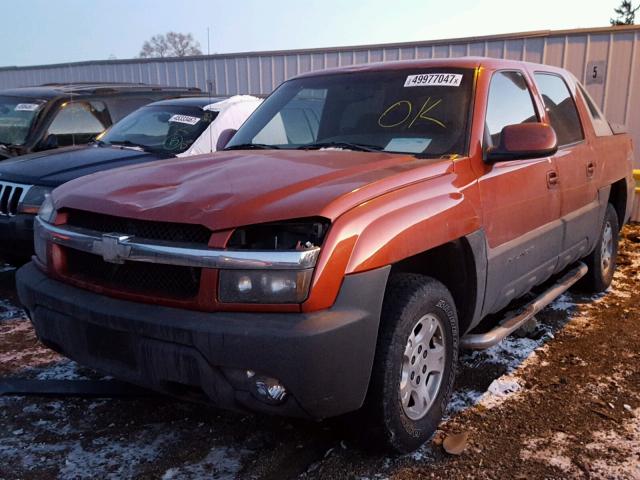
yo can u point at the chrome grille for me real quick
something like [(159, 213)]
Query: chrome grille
[(11, 194)]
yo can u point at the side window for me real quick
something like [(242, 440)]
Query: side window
[(509, 103), (600, 124), (561, 109), (78, 122)]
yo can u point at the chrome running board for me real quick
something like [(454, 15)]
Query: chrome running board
[(480, 341)]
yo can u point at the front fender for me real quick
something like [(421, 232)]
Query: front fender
[(390, 228)]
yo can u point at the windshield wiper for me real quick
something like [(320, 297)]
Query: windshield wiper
[(358, 147), (127, 144), (252, 146), (5, 150)]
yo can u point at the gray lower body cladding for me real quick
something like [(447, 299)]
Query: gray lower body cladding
[(323, 358)]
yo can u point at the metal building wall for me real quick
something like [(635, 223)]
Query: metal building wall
[(613, 51)]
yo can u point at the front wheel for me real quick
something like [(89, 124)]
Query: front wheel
[(602, 261), (414, 368)]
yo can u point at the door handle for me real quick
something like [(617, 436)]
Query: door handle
[(552, 179), (591, 169)]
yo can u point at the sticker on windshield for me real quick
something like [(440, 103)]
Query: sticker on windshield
[(27, 107), (189, 120), (408, 145), (434, 80)]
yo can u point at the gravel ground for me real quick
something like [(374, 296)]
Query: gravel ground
[(561, 402)]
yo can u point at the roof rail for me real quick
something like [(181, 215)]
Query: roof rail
[(110, 87)]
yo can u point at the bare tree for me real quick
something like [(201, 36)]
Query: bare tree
[(626, 13), (172, 44)]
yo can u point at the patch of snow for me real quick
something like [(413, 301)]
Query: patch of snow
[(424, 453), (625, 443), (499, 390), (510, 353), (513, 354), (63, 370), (71, 456), (111, 459), (551, 451), (221, 463), (463, 399), (9, 312), (563, 302), (609, 454)]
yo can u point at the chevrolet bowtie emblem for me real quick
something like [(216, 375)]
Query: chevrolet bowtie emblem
[(113, 249)]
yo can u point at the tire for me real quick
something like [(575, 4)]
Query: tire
[(399, 414), (602, 261)]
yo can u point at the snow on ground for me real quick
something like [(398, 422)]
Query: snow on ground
[(8, 311), (112, 457), (513, 354), (563, 302), (62, 370), (617, 454), (551, 451), (221, 463)]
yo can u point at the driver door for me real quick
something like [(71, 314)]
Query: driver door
[(520, 201)]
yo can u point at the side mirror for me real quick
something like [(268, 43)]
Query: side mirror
[(49, 143), (522, 141), (224, 138)]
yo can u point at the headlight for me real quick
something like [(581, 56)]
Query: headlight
[(47, 212), (272, 286), (264, 286), (33, 199)]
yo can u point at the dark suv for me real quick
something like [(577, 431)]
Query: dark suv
[(57, 115), (145, 135)]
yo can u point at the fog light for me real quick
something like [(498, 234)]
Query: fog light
[(269, 390)]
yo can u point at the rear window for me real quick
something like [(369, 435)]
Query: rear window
[(561, 108)]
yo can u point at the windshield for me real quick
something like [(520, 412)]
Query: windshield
[(161, 129), (16, 117), (419, 110)]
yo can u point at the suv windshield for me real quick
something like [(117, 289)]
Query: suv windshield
[(419, 111), (16, 117), (163, 129)]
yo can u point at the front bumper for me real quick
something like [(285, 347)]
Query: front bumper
[(16, 237), (323, 358)]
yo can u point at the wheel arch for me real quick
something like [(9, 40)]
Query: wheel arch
[(618, 198), (461, 265)]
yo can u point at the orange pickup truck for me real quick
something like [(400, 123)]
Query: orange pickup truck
[(345, 245)]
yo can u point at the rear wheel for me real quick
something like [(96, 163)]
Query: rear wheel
[(414, 369), (602, 261)]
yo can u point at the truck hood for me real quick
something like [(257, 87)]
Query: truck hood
[(55, 167), (235, 188)]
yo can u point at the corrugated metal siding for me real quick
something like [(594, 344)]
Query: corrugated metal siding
[(619, 48)]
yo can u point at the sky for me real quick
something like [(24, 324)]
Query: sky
[(36, 32)]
